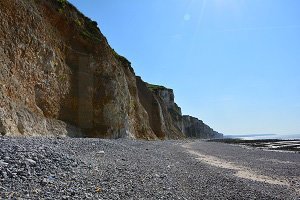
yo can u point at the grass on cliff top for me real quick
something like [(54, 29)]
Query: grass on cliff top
[(125, 63), (121, 58), (89, 28), (62, 2), (155, 87)]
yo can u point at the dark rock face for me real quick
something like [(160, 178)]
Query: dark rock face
[(153, 108), (195, 128), (59, 76)]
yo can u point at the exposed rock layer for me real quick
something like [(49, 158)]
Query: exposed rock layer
[(195, 128), (177, 125), (56, 64), (159, 104), (59, 76)]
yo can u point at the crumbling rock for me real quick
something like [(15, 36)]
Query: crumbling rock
[(59, 76)]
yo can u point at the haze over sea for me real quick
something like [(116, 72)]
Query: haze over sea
[(265, 136)]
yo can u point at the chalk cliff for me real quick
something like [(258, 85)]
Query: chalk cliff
[(59, 76), (195, 128), (159, 104), (176, 125)]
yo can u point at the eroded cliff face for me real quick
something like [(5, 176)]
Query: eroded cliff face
[(58, 72), (59, 76), (167, 97), (176, 125), (195, 128), (160, 106)]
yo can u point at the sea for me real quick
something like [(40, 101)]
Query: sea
[(265, 136)]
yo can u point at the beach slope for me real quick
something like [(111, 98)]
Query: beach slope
[(65, 168)]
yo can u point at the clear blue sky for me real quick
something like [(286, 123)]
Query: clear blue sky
[(235, 64)]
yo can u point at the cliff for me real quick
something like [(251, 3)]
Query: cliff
[(159, 104), (58, 72), (195, 128), (175, 123), (59, 76)]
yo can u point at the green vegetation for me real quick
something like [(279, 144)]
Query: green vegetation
[(63, 77), (62, 3), (88, 27), (153, 87), (121, 58), (92, 27), (61, 11), (78, 22), (87, 34), (90, 30)]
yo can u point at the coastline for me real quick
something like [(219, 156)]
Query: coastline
[(264, 136), (292, 145)]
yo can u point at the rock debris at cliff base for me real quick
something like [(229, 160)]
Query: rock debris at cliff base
[(51, 168)]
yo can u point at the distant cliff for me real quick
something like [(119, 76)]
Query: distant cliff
[(59, 76), (161, 107), (159, 104), (195, 128)]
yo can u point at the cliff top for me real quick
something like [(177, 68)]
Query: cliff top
[(87, 27), (153, 87)]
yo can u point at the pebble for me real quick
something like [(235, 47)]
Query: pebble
[(6, 158), (32, 162), (45, 169), (100, 153), (2, 163), (65, 197)]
